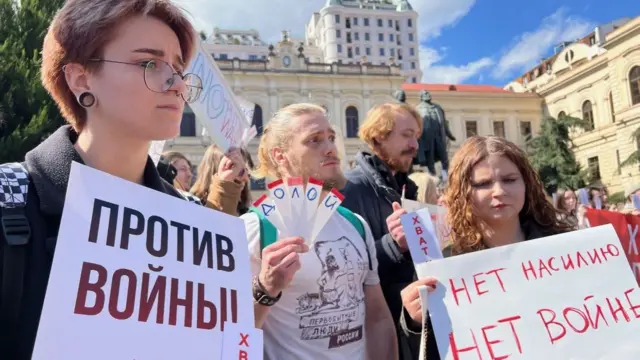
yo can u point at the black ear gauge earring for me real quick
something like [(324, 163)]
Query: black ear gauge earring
[(86, 99)]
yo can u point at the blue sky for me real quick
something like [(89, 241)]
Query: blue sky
[(462, 41), (498, 39)]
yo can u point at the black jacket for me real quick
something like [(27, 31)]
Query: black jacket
[(370, 190), (48, 165)]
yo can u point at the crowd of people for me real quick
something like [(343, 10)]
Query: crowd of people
[(115, 69)]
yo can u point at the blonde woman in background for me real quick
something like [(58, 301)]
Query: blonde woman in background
[(223, 181), (427, 187)]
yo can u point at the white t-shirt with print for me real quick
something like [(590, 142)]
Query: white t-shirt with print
[(321, 314)]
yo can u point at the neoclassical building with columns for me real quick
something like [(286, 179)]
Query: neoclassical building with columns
[(597, 79)]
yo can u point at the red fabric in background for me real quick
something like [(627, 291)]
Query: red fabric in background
[(628, 228)]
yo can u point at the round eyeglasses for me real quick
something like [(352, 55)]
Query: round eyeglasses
[(159, 77)]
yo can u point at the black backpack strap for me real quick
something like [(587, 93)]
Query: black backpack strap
[(15, 235)]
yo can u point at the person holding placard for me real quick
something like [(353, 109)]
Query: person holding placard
[(374, 190), (324, 302), (115, 70), (222, 182), (495, 198)]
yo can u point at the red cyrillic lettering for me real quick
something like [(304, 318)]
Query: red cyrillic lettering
[(585, 327), (620, 308), (632, 307), (148, 298), (244, 340), (175, 301), (418, 230), (510, 320), (84, 286), (550, 264), (490, 343), (568, 263), (594, 256), (478, 283), (242, 355), (95, 221), (422, 241), (457, 290), (203, 304), (581, 260), (130, 303), (552, 321), (497, 274), (456, 351), (416, 220), (542, 266), (599, 314), (528, 269)]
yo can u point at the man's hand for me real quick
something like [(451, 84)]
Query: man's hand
[(232, 167), (395, 227), (280, 262), (411, 297)]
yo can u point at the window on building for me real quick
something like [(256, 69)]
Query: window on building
[(338, 34), (367, 51), (392, 52), (561, 114), (634, 82), (223, 56), (381, 51), (380, 37), (525, 129), (397, 25), (347, 23), (498, 129), (356, 36), (410, 37), (587, 115), (379, 22), (390, 22), (357, 51), (593, 166), (367, 37), (414, 80), (337, 19), (339, 48), (412, 52), (409, 23), (471, 128), (366, 21), (349, 53), (351, 115), (413, 65), (257, 118), (264, 57), (399, 54), (253, 57), (391, 37), (348, 37), (188, 123), (611, 108), (355, 21)]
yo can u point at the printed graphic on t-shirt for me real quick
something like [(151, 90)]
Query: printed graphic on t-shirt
[(339, 302)]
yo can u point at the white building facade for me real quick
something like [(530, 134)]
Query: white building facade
[(379, 32)]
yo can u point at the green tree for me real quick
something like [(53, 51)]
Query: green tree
[(27, 112), (634, 157), (550, 154)]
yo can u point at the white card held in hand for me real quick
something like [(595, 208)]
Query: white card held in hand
[(597, 202), (242, 343), (312, 199), (325, 210), (278, 193), (267, 208), (421, 236), (583, 197), (295, 189), (636, 201)]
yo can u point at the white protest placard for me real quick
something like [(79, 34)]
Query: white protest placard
[(138, 274), (438, 217), (242, 343), (569, 296), (217, 108), (421, 236)]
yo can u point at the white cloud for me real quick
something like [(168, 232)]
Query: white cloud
[(529, 48)]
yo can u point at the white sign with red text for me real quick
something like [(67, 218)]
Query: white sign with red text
[(569, 296), (138, 274), (242, 343), (421, 236)]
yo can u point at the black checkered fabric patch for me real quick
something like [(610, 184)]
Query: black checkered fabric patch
[(14, 185)]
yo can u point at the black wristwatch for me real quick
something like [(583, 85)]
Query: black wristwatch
[(260, 294)]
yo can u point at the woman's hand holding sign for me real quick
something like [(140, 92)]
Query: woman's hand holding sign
[(280, 262), (411, 297)]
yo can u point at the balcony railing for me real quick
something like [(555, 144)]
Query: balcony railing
[(310, 67)]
